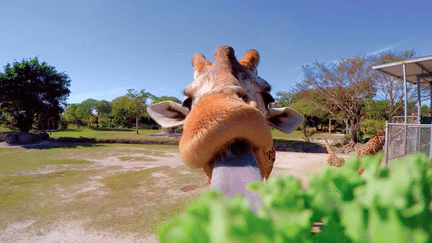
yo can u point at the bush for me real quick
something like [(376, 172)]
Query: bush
[(63, 124), (372, 127), (360, 136), (382, 205), (106, 122)]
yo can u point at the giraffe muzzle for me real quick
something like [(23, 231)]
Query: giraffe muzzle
[(218, 120)]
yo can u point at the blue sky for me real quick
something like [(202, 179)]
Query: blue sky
[(107, 47)]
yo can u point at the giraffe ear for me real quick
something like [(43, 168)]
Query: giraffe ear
[(168, 113), (284, 119), (250, 60), (199, 62)]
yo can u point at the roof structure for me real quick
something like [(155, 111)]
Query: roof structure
[(415, 68)]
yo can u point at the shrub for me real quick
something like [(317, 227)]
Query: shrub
[(372, 127), (391, 204), (106, 122)]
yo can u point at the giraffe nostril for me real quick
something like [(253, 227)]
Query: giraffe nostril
[(243, 96), (187, 103)]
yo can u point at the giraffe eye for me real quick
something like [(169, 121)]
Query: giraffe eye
[(187, 103)]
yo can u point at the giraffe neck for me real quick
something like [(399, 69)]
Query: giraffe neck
[(329, 149)]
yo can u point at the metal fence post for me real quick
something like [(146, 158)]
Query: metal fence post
[(430, 141), (386, 143), (405, 134)]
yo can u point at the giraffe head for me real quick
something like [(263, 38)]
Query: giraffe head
[(227, 107)]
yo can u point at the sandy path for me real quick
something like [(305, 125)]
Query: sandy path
[(301, 165)]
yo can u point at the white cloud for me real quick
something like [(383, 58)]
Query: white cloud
[(389, 47)]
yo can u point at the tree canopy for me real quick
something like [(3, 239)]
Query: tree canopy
[(165, 98), (32, 90), (283, 99), (92, 110), (339, 88), (123, 113), (351, 91), (140, 99)]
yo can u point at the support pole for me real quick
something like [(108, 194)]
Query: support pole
[(430, 96), (405, 94), (419, 118), (406, 110), (386, 146), (419, 115)]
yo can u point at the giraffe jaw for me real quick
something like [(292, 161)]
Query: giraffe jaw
[(232, 173)]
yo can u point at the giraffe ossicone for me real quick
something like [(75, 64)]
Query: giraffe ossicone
[(227, 110)]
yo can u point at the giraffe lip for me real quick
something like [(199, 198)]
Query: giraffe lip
[(217, 120)]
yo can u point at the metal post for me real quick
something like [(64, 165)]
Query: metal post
[(430, 96), (386, 152), (406, 109), (405, 94), (419, 116), (430, 142), (405, 125), (419, 101)]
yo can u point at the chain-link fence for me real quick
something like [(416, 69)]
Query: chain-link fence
[(410, 119), (404, 139)]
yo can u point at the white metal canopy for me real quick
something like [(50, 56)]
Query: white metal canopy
[(417, 71), (415, 68)]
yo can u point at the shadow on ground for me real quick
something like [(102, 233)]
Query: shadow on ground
[(37, 141), (298, 146)]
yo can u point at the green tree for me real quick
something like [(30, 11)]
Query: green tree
[(29, 89), (315, 116), (71, 115), (92, 110), (425, 110), (140, 102), (165, 98), (339, 88), (283, 99), (374, 109), (123, 111)]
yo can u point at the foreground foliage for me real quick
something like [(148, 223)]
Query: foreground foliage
[(383, 205)]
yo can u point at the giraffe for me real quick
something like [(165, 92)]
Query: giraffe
[(373, 146), (227, 115), (333, 159)]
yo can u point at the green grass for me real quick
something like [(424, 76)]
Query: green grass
[(143, 197), (104, 133), (145, 134), (13, 160), (4, 129), (73, 189), (36, 197)]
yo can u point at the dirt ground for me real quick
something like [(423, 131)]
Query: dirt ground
[(300, 165)]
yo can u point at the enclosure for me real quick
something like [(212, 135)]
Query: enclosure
[(409, 134)]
